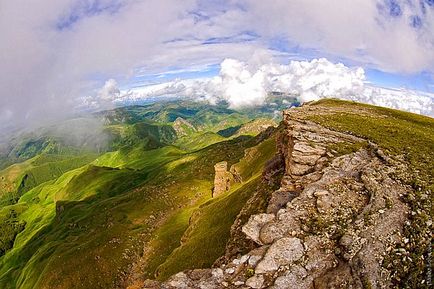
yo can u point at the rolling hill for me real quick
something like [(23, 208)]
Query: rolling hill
[(136, 202)]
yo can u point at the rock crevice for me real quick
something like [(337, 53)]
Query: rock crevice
[(329, 225)]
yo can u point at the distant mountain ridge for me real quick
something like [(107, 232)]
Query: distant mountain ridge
[(296, 205), (347, 213)]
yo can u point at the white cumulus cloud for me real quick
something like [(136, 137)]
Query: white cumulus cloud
[(52, 53), (110, 90), (242, 84)]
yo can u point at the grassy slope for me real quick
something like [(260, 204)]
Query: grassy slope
[(410, 138), (198, 140), (85, 228), (10, 179), (198, 173), (139, 158), (202, 116), (400, 133), (208, 231), (252, 127), (92, 199), (20, 178), (48, 233)]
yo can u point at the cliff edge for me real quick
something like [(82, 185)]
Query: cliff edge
[(352, 211)]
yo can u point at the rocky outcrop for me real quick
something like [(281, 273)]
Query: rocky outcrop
[(222, 179), (183, 127), (331, 224), (255, 127)]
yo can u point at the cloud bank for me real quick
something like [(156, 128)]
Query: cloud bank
[(393, 35), (52, 53), (109, 91), (242, 84)]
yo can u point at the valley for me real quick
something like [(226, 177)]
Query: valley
[(141, 206)]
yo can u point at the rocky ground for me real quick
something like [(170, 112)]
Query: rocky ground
[(336, 217)]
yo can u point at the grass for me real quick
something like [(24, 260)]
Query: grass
[(253, 163), (139, 158), (10, 180), (211, 222), (87, 217), (10, 227), (88, 226), (207, 233), (409, 138), (147, 134), (399, 133), (20, 178), (166, 239), (47, 167), (344, 148), (199, 140), (60, 231)]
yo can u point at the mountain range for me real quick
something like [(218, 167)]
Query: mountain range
[(130, 197)]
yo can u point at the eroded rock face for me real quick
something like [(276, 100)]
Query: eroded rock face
[(254, 225), (183, 127), (284, 251), (329, 225), (222, 179)]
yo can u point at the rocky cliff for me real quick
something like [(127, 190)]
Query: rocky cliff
[(222, 179), (338, 220)]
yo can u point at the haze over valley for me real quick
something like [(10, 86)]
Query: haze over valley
[(216, 144)]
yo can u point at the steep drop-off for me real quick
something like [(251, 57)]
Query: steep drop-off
[(352, 210), (339, 194)]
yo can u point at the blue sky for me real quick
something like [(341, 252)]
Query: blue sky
[(56, 52), (414, 14), (387, 11), (422, 81)]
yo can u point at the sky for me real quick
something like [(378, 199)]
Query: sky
[(60, 56)]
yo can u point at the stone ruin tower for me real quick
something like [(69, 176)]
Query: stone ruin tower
[(222, 179)]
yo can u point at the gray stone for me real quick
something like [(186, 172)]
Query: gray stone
[(299, 169), (304, 159), (254, 225), (179, 280), (295, 277), (279, 199), (256, 281), (253, 260), (307, 149), (271, 231), (256, 255), (324, 201), (284, 251)]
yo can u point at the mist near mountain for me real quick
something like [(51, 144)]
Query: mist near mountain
[(56, 54)]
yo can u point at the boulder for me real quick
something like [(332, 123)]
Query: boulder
[(254, 225), (296, 277), (256, 281), (284, 251)]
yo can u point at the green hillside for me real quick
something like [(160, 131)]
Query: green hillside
[(142, 207), (82, 215)]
